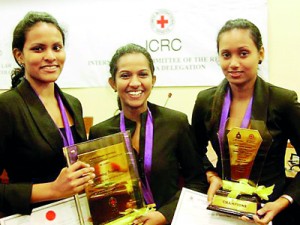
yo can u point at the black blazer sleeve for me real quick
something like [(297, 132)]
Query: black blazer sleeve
[(179, 139), (292, 128), (30, 145), (202, 112), (14, 198)]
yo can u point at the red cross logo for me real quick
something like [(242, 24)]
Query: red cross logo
[(162, 21)]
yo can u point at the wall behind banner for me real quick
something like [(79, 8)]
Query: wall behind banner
[(283, 48)]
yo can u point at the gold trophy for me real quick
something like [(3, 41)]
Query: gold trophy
[(244, 149)]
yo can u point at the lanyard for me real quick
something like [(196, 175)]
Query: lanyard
[(68, 140), (147, 155), (224, 116)]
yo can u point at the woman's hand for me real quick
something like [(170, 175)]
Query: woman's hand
[(267, 213), (215, 183), (151, 218), (70, 181), (73, 179)]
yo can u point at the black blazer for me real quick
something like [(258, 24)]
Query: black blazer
[(30, 144), (280, 111), (173, 153)]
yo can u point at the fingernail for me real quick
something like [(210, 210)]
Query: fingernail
[(90, 181)]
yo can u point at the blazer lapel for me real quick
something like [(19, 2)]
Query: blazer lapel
[(217, 106), (260, 100), (76, 113), (259, 105), (40, 116)]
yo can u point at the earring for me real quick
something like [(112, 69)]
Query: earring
[(260, 61)]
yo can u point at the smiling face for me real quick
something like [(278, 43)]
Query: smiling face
[(43, 55), (239, 57), (133, 81)]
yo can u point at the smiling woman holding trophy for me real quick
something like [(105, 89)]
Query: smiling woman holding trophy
[(248, 122), (162, 139)]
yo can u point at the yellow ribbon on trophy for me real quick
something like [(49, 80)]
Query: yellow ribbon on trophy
[(132, 214), (243, 187)]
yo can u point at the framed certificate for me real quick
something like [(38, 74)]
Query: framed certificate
[(63, 212)]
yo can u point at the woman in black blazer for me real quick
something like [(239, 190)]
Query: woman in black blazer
[(240, 51), (37, 119), (162, 135)]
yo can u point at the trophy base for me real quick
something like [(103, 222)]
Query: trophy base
[(106, 206), (245, 205)]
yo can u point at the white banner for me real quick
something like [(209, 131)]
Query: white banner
[(180, 35)]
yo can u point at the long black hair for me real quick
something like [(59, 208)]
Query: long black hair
[(245, 25)]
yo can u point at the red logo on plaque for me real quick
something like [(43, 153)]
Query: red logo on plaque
[(113, 202)]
